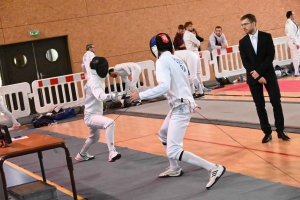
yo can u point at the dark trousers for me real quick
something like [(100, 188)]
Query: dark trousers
[(272, 88)]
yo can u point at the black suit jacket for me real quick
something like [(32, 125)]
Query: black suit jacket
[(262, 62)]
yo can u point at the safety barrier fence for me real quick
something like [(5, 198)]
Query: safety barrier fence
[(68, 90), (227, 62)]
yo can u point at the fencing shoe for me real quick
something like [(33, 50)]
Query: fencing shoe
[(86, 157), (171, 173), (113, 156), (14, 127), (214, 175)]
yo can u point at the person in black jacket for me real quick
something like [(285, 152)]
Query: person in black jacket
[(257, 53)]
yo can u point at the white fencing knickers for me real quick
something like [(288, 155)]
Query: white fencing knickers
[(95, 123), (194, 71), (6, 112), (199, 70), (173, 130), (295, 55)]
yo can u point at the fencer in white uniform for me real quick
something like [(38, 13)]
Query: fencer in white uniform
[(6, 112), (86, 60), (293, 33), (191, 60), (172, 79), (124, 70), (93, 113)]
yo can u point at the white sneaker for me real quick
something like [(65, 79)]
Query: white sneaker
[(171, 173), (87, 157), (113, 156), (214, 175)]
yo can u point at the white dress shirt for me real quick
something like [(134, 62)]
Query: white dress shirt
[(254, 39)]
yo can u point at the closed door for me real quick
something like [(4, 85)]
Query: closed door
[(30, 61)]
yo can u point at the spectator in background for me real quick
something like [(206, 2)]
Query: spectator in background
[(190, 39), (87, 58), (178, 40), (293, 33), (198, 38), (217, 40)]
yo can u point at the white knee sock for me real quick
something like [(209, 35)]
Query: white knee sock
[(173, 163), (110, 137), (196, 160)]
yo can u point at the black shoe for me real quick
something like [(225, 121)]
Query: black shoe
[(198, 95), (267, 138), (282, 135)]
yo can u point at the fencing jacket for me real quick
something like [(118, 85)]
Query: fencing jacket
[(292, 31), (190, 39), (172, 79), (95, 94)]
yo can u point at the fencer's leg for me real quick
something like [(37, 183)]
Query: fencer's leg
[(162, 134), (295, 56), (110, 131), (4, 110), (192, 86), (93, 138)]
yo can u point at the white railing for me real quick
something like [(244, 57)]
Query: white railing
[(227, 62), (15, 98), (146, 82), (66, 90), (204, 63)]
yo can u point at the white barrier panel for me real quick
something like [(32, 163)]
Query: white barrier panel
[(204, 60), (282, 52), (16, 96), (227, 62), (67, 90), (144, 84)]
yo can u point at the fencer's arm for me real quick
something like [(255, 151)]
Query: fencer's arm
[(225, 41), (127, 84), (194, 40), (99, 93), (163, 78)]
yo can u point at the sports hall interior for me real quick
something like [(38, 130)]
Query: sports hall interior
[(225, 130)]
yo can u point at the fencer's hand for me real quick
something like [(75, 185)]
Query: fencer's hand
[(195, 45), (297, 46), (134, 96), (262, 80), (254, 74), (130, 77)]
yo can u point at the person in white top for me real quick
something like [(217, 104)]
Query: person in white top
[(172, 79), (193, 44), (293, 33), (93, 112), (6, 112), (130, 72), (217, 40), (189, 38), (191, 60), (87, 58)]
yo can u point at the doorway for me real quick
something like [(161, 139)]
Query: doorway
[(30, 61)]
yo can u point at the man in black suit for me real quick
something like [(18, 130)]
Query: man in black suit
[(257, 53)]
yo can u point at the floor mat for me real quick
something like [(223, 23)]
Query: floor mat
[(285, 86), (134, 177)]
